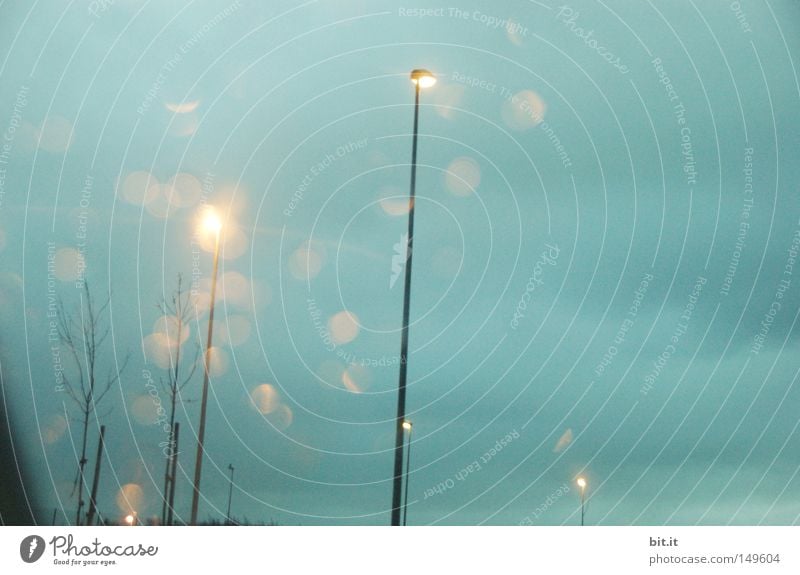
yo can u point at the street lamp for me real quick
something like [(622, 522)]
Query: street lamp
[(421, 79), (131, 518), (408, 426), (582, 484), (230, 495), (211, 224)]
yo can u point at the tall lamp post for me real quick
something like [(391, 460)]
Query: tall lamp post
[(212, 224), (421, 79), (408, 426), (582, 484), (230, 496)]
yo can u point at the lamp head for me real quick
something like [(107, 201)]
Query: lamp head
[(211, 221), (423, 78), (581, 482), (407, 425)]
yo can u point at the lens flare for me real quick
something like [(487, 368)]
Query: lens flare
[(343, 327), (463, 176), (139, 188), (129, 498), (159, 349), (69, 264), (265, 398), (305, 262), (525, 110), (169, 326)]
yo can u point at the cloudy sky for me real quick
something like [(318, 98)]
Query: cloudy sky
[(604, 277)]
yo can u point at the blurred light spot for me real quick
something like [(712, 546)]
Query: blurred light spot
[(169, 326), (183, 107), (563, 441), (233, 242), (159, 207), (305, 262), (447, 97), (140, 188), (330, 371), (159, 349), (217, 361), (356, 378), (446, 261), (69, 264), (515, 32), (199, 301), (54, 429), (55, 135), (343, 327), (237, 330), (265, 398), (394, 202), (183, 125), (463, 176), (183, 190), (233, 197), (145, 410), (282, 417), (129, 498), (234, 289), (523, 111)]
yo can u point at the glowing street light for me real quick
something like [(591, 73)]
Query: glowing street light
[(131, 518), (408, 426), (581, 481), (421, 79), (211, 221), (210, 224)]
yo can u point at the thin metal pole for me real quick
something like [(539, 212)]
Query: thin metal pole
[(173, 389), (96, 480), (401, 391), (583, 499), (408, 468), (173, 475), (198, 464), (230, 497)]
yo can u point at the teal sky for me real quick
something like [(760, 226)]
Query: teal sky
[(604, 276)]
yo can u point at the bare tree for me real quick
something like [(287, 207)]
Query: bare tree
[(179, 311), (83, 338)]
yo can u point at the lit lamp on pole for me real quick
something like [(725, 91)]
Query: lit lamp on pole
[(581, 481), (131, 518), (408, 426), (421, 79), (211, 224)]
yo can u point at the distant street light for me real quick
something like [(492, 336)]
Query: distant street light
[(211, 224), (131, 518), (408, 426), (582, 484), (421, 79), (230, 496)]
